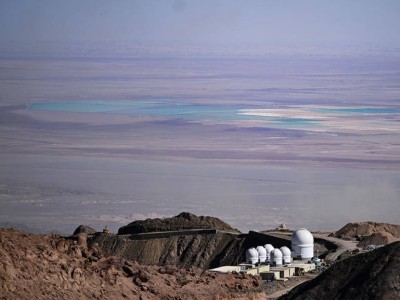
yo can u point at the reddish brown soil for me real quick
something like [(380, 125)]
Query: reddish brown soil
[(53, 267)]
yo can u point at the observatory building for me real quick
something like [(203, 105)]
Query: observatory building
[(302, 244), (276, 257), (252, 256), (268, 248), (262, 254), (286, 255), (277, 263)]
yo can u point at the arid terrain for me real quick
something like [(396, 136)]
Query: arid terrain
[(85, 266), (372, 275), (49, 266), (171, 136)]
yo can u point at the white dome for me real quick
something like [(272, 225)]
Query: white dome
[(269, 248), (251, 255), (261, 250), (302, 244), (262, 254), (302, 237), (286, 251), (287, 254), (276, 257), (277, 253)]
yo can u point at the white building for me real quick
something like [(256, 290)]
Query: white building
[(276, 257), (286, 255), (268, 248), (252, 256), (302, 244), (262, 254)]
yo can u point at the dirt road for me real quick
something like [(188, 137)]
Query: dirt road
[(343, 245)]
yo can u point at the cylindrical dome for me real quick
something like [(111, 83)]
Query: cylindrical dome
[(268, 248), (286, 253), (252, 256), (302, 244), (262, 254), (276, 257)]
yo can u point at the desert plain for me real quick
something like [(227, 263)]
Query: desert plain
[(258, 139)]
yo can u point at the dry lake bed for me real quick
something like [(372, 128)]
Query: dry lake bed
[(310, 141)]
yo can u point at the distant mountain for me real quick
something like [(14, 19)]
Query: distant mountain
[(372, 275), (183, 221)]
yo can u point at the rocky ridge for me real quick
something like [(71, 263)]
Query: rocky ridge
[(371, 275), (351, 230), (183, 221)]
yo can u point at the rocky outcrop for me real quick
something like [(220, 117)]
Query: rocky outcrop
[(183, 221), (184, 251), (84, 229), (379, 238), (372, 275), (351, 230)]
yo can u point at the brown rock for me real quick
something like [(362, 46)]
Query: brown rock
[(128, 270), (84, 229)]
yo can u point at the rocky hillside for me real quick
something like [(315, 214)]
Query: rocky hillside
[(379, 238), (374, 233), (184, 251), (52, 267), (183, 221), (351, 230), (372, 275)]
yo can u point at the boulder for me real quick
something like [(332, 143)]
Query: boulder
[(84, 229)]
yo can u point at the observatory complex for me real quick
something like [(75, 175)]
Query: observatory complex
[(279, 263)]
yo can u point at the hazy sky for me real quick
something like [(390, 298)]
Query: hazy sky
[(261, 22)]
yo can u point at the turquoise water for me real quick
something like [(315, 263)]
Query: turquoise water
[(164, 108), (153, 108), (196, 112), (88, 106), (295, 122)]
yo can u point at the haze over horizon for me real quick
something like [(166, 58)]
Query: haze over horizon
[(236, 23)]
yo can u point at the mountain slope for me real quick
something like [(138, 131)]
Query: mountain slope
[(36, 266), (372, 275)]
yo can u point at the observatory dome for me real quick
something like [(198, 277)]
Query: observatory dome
[(276, 257), (252, 256), (268, 249), (262, 254), (286, 253), (302, 244), (302, 236)]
